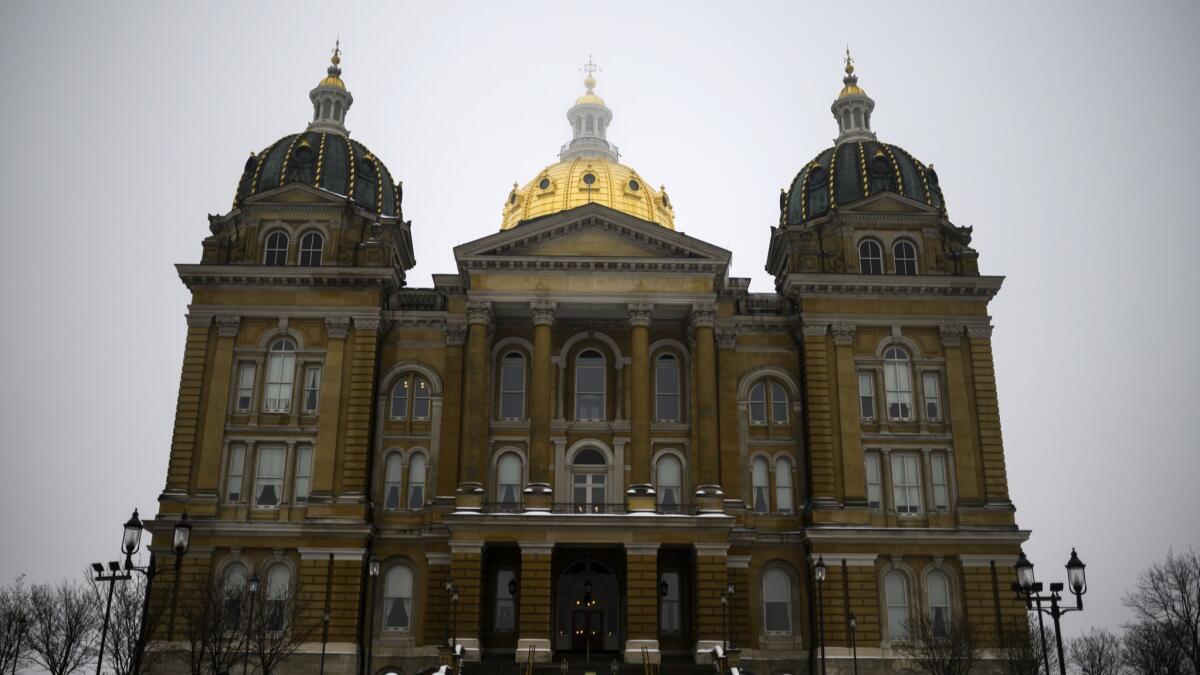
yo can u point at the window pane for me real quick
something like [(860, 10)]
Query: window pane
[(666, 383), (760, 481), (941, 493), (905, 256), (778, 404), (310, 248), (866, 396), (783, 485), (245, 387), (939, 603), (281, 369), (669, 605), (933, 400), (504, 620), (420, 399), (312, 388), (897, 606), (397, 598), (400, 400), (391, 497), (303, 472), (416, 481), (906, 483), (874, 483), (512, 387), (269, 480), (897, 380), (777, 601), (237, 463)]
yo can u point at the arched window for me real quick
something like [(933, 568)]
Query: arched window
[(508, 480), (410, 398), (777, 602), (235, 590), (896, 587), (281, 371), (904, 255), (420, 409), (870, 257), (589, 386), (670, 483), (392, 483), (589, 481), (758, 404), (397, 598), (897, 380), (506, 600), (779, 414), (670, 604), (311, 245), (276, 248), (279, 591), (783, 485), (761, 484), (768, 395), (666, 389), (400, 399), (416, 481), (939, 603), (512, 386)]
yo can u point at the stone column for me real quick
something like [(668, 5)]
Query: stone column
[(712, 576), (817, 396), (540, 460), (363, 346), (329, 419), (961, 427), (641, 408), (704, 317), (216, 405), (466, 571), (854, 481), (727, 376), (452, 412), (475, 399), (641, 602), (535, 601)]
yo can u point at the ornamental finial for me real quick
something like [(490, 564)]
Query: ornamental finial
[(849, 62), (590, 68), (336, 59)]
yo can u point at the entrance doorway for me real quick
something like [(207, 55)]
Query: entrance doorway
[(587, 600)]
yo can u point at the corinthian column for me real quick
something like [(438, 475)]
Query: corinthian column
[(475, 419), (539, 394), (703, 319), (639, 397)]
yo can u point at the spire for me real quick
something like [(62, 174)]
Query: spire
[(853, 107), (589, 119), (330, 98)]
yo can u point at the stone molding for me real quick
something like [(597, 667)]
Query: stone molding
[(466, 547), (536, 548), (336, 328), (353, 554), (456, 335), (979, 332), (737, 562), (437, 558), (843, 334), (727, 338), (227, 326), (639, 313), (199, 321), (814, 329), (543, 312), (852, 559), (951, 335), (366, 323), (479, 312), (641, 548), (711, 549), (704, 315), (1003, 561)]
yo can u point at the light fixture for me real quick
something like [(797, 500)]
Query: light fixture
[(1076, 576), (131, 541), (663, 588), (374, 566), (1024, 572), (512, 587), (820, 569), (183, 535), (252, 585)]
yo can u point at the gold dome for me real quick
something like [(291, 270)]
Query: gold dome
[(589, 98), (565, 185), (332, 81), (850, 90)]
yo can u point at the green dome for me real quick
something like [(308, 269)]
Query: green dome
[(854, 170), (328, 161)]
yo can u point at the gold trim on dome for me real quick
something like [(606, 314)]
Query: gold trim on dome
[(568, 190)]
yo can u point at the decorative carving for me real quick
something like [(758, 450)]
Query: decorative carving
[(199, 321), (727, 338), (456, 335), (336, 327), (366, 323), (704, 315), (639, 313), (479, 311), (227, 326), (543, 312), (843, 333), (979, 332), (951, 335), (814, 329)]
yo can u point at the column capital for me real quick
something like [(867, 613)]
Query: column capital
[(456, 334), (704, 315), (979, 332), (543, 312), (336, 327), (366, 323), (227, 326), (813, 329), (727, 338), (639, 313), (199, 320), (843, 334), (479, 312), (951, 334), (641, 548)]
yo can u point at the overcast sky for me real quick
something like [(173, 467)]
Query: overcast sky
[(1064, 133)]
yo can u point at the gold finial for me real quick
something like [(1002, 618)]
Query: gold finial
[(336, 59), (849, 62), (590, 68)]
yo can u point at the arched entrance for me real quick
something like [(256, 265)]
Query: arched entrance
[(587, 602)]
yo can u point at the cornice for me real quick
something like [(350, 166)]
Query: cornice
[(286, 275), (883, 285)]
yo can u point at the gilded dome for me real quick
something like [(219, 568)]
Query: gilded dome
[(854, 170), (324, 160), (587, 180)]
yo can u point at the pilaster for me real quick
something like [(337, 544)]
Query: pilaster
[(641, 602), (535, 601), (184, 438), (641, 409), (853, 468), (987, 409), (704, 318), (356, 429), (958, 396), (819, 399), (466, 570), (475, 417), (712, 576), (216, 406), (329, 420), (540, 460)]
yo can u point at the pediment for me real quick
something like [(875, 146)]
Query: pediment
[(296, 193), (888, 202)]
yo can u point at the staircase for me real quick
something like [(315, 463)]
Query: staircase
[(601, 664)]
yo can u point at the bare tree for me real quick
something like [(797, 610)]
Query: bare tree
[(1025, 653), (941, 649), (1148, 649), (214, 629), (14, 619), (1168, 596), (125, 626), (1098, 652), (278, 629), (64, 626)]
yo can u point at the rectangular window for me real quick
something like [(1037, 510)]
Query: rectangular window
[(268, 479), (666, 395), (303, 473), (896, 379), (280, 373), (312, 388), (237, 465), (941, 491), (933, 398), (874, 482), (245, 391), (906, 484), (512, 387), (505, 618), (866, 395), (589, 387)]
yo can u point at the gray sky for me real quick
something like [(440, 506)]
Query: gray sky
[(1063, 132)]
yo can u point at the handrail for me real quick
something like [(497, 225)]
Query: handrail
[(529, 662), (647, 667)]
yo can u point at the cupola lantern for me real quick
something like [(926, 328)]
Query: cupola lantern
[(852, 109), (330, 98)]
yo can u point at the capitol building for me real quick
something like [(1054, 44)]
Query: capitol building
[(588, 440)]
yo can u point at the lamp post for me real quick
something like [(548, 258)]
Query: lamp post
[(373, 572), (114, 575), (854, 641), (252, 587), (131, 541), (454, 655), (181, 539), (1030, 590), (732, 614), (724, 624), (819, 568)]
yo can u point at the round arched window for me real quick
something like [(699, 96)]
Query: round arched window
[(544, 184), (634, 186), (589, 178)]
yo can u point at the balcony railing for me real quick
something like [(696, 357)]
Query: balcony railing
[(567, 508)]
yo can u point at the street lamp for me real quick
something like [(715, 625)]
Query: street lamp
[(252, 587), (1031, 591), (819, 568), (131, 542), (181, 539), (854, 641), (732, 613), (373, 568)]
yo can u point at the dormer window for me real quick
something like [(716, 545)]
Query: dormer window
[(904, 255), (276, 248), (311, 245), (870, 257)]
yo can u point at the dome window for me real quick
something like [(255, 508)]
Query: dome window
[(276, 249), (816, 176), (512, 197), (634, 186), (304, 154), (366, 169), (589, 178), (870, 257), (931, 175), (544, 184)]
